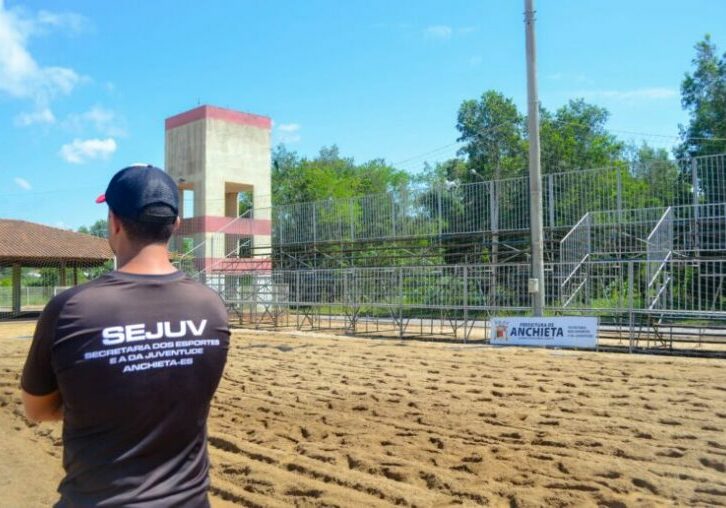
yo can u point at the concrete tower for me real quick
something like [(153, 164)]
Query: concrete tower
[(220, 154)]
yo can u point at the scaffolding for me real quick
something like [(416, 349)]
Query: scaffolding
[(439, 261)]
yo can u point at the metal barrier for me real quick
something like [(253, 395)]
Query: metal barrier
[(642, 261), (457, 301), (498, 205), (575, 250)]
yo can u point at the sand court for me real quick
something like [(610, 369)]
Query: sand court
[(312, 420)]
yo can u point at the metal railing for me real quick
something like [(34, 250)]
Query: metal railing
[(468, 286), (659, 252), (30, 297), (497, 205), (575, 249), (459, 300)]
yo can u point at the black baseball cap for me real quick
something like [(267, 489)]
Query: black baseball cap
[(143, 193)]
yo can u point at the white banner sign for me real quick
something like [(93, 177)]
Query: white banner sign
[(579, 332)]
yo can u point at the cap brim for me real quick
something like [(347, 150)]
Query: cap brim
[(101, 198)]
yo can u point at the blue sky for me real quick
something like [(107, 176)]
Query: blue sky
[(85, 86)]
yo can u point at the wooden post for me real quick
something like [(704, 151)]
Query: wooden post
[(62, 274), (17, 271)]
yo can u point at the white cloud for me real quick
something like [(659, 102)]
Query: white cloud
[(22, 183), (289, 127), (20, 75), (288, 133), (83, 150), (438, 32), (475, 61), (70, 22), (101, 119), (637, 94), (41, 116)]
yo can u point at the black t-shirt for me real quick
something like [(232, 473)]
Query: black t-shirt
[(136, 359)]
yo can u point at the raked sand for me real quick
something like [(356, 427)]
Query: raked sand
[(309, 420)]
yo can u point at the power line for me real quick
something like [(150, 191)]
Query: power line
[(646, 134), (403, 164), (479, 133), (413, 161), (424, 154), (416, 164)]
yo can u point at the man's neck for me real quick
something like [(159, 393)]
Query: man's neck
[(147, 260)]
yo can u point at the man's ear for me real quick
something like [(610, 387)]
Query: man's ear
[(114, 225), (177, 223)]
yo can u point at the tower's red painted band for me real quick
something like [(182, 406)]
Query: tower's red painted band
[(233, 265), (228, 115), (228, 225)]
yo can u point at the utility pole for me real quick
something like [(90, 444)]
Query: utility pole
[(536, 282)]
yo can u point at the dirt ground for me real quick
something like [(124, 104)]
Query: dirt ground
[(317, 421)]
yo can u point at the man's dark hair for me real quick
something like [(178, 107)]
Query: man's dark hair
[(147, 232)]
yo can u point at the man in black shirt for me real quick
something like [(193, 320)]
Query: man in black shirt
[(130, 362)]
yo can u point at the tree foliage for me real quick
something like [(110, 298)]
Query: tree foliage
[(703, 96), (575, 137), (656, 179), (328, 180), (98, 228), (297, 179), (492, 129)]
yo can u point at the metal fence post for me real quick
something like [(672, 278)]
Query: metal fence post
[(493, 205), (630, 308), (315, 228), (297, 299), (695, 229), (440, 218), (346, 300), (400, 302), (619, 192), (619, 206), (551, 199), (340, 222), (466, 303), (352, 220), (393, 215)]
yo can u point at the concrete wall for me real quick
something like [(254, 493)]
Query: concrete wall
[(238, 154), (218, 152), (185, 158)]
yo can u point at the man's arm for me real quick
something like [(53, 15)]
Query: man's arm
[(39, 388), (42, 408)]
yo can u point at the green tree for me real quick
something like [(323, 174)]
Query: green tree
[(314, 199), (492, 130), (703, 95), (296, 179), (245, 203), (48, 277), (654, 179), (575, 138), (98, 228)]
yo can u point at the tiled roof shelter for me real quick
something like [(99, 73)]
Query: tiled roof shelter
[(33, 244), (30, 245)]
